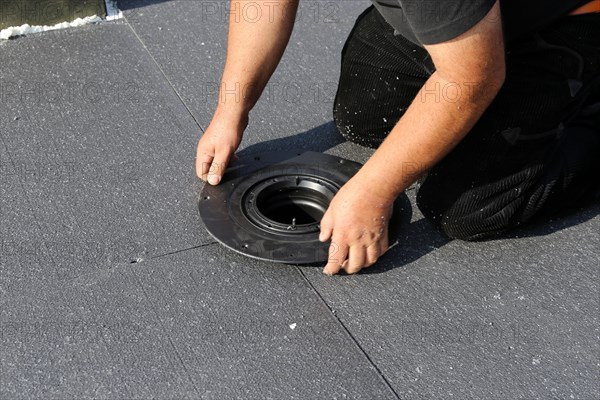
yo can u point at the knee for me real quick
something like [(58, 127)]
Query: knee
[(466, 229), (352, 122), (343, 120), (465, 219), (468, 226), (361, 123)]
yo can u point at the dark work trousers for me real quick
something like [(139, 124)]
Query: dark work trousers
[(534, 152)]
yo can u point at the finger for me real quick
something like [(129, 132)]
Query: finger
[(384, 244), (326, 226), (344, 265), (218, 167), (373, 252), (337, 255), (357, 259)]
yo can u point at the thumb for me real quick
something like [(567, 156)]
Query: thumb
[(203, 163)]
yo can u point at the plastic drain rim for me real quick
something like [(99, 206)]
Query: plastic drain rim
[(305, 195)]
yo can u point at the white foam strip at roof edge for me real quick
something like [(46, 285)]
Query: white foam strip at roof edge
[(112, 13)]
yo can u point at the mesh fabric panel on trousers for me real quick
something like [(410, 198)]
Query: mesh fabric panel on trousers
[(534, 152)]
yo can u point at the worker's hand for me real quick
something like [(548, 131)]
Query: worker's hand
[(357, 224), (218, 144)]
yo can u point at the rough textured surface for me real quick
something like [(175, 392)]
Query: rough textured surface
[(504, 319), (100, 143), (198, 324), (110, 287), (298, 100)]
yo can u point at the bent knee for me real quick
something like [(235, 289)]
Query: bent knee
[(355, 127), (362, 125), (472, 226), (470, 221)]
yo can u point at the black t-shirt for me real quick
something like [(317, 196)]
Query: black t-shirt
[(435, 21)]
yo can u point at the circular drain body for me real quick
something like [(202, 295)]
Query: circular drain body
[(269, 207), (288, 204)]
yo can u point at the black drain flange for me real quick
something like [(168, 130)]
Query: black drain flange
[(269, 206)]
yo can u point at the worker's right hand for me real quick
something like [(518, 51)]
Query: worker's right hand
[(217, 145)]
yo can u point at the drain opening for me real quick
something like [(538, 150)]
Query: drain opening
[(294, 206)]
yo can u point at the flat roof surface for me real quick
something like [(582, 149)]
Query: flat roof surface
[(110, 286)]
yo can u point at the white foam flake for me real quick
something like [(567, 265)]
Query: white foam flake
[(112, 12)]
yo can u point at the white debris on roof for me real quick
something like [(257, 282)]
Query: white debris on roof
[(112, 13), (27, 29)]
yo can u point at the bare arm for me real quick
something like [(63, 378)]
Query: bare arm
[(258, 34), (255, 46), (432, 125), (470, 71)]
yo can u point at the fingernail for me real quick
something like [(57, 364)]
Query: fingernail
[(327, 273), (214, 180)]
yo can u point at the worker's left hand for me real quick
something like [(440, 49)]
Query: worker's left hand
[(357, 224)]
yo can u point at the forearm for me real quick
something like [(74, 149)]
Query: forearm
[(443, 112), (255, 45)]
